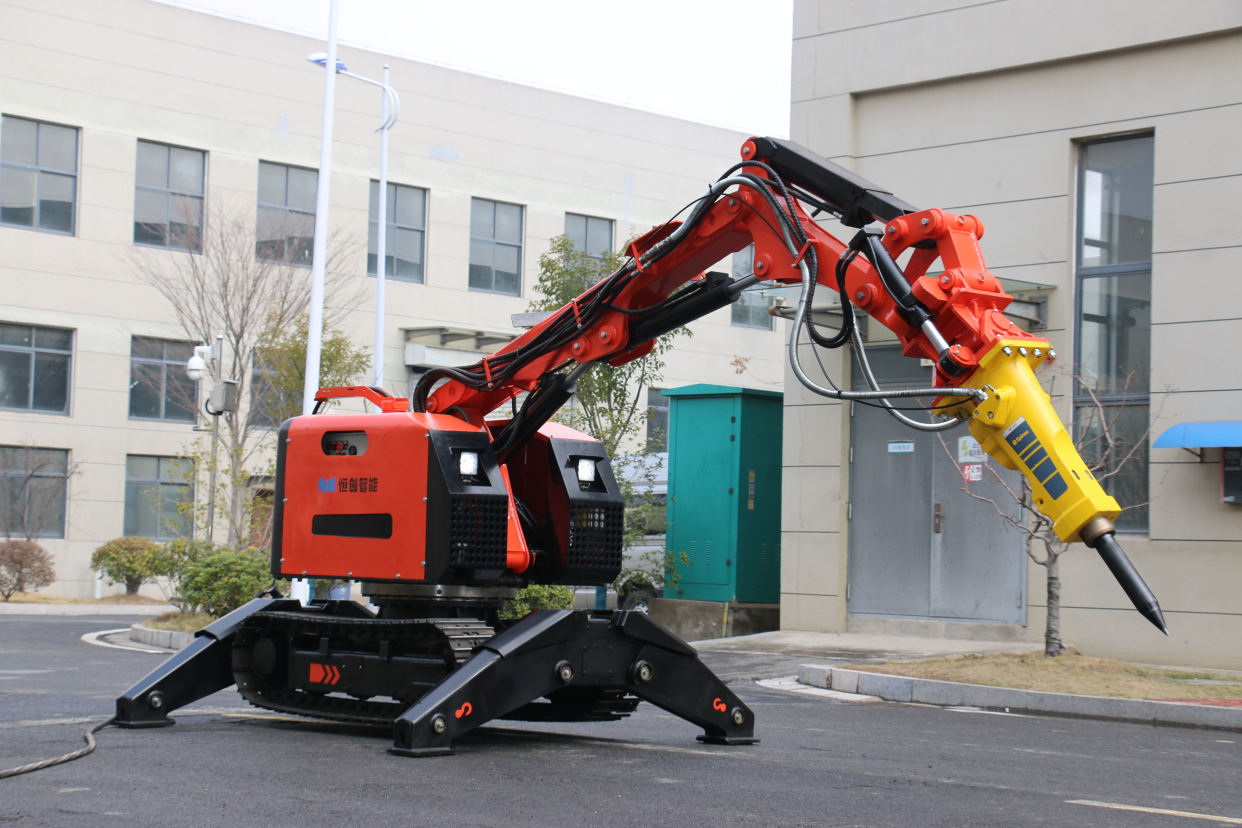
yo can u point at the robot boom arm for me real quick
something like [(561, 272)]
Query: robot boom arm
[(984, 372)]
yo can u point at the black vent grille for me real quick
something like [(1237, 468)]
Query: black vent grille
[(479, 532), (595, 535)]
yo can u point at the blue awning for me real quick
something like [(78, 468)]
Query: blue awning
[(1210, 434)]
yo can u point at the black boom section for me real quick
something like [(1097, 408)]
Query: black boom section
[(586, 667), (859, 200), (467, 515)]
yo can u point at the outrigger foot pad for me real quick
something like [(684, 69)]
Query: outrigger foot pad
[(590, 666)]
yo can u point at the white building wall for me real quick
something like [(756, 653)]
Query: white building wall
[(980, 108), (132, 69)]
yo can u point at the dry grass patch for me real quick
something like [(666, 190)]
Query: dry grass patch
[(180, 621), (39, 598), (1080, 675)]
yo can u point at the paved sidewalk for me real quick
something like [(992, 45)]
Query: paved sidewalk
[(847, 647)]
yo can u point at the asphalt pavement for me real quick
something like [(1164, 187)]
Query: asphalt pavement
[(822, 762)]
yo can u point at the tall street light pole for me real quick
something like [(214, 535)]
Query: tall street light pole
[(314, 329), (389, 116)]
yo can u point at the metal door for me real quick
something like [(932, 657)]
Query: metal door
[(919, 545), (701, 479)]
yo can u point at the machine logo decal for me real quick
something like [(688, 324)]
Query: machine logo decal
[(719, 705), (464, 710), (1032, 453), (324, 674), (356, 485)]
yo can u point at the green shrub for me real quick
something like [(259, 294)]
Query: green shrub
[(537, 597), (129, 561), (175, 558), (24, 565), (222, 581)]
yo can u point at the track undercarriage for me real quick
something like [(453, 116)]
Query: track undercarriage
[(435, 668)]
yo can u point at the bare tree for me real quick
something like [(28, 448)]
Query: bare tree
[(249, 282), (32, 490), (1109, 453)]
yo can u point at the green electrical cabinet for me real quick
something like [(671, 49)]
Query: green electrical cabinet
[(724, 493)]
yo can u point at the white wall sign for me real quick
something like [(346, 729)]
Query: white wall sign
[(969, 450), (901, 447)]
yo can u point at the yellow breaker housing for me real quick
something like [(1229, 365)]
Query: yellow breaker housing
[(1017, 425)]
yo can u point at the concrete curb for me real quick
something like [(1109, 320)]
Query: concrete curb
[(85, 609), (953, 694), (168, 639)]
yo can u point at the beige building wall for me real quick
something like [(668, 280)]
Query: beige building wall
[(132, 69), (980, 109)]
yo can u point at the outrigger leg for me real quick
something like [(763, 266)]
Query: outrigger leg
[(199, 670), (589, 665)]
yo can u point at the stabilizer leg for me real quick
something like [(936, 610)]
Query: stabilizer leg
[(199, 670), (551, 650)]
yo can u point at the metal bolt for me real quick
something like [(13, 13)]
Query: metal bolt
[(424, 563), (738, 716), (565, 671), (398, 574), (282, 560), (859, 296), (944, 279), (925, 222), (1022, 351), (991, 415), (1038, 352), (156, 700), (303, 571), (438, 723), (1007, 350), (643, 671), (350, 574), (287, 440), (424, 500), (892, 228), (284, 500), (732, 202), (1052, 354)]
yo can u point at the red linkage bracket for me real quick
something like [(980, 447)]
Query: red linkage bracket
[(386, 402)]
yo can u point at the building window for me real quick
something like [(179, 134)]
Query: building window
[(159, 388), (32, 492), (1111, 394), (158, 494), (168, 197), (751, 308), (38, 174), (285, 231), (34, 367), (405, 221), (589, 234), (495, 247), (657, 420)]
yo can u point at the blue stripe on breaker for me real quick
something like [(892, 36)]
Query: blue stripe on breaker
[(1022, 438)]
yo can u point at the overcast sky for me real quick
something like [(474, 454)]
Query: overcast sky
[(721, 62)]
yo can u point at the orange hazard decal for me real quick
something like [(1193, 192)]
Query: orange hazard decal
[(324, 674), (464, 710), (719, 705)]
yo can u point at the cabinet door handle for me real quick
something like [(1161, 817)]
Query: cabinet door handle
[(936, 520)]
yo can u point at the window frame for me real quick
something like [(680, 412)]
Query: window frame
[(286, 210), (186, 483), (165, 364), (39, 169), (1106, 400), (33, 350), (168, 192), (612, 233), (743, 299), (390, 221), (28, 473), (656, 413), (493, 241)]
